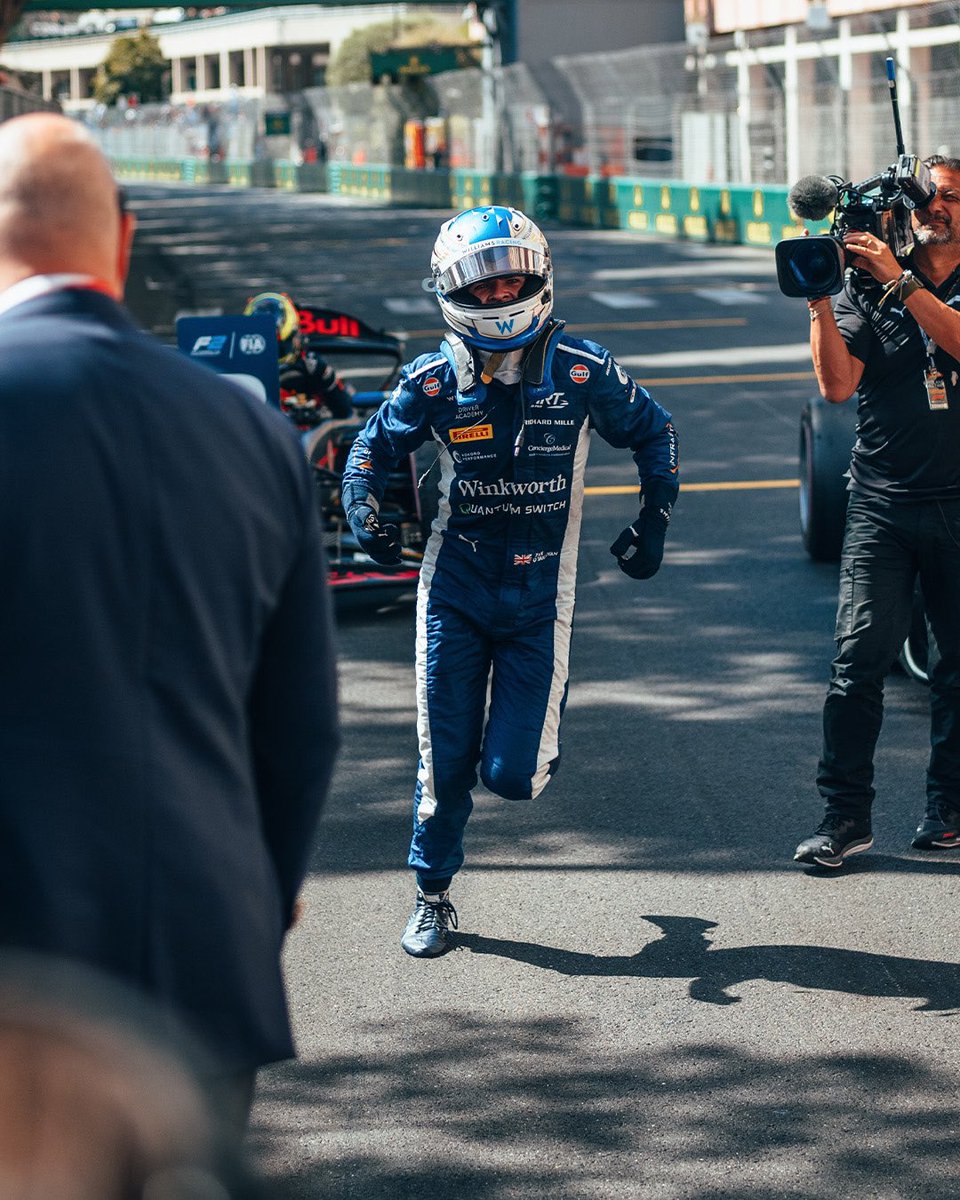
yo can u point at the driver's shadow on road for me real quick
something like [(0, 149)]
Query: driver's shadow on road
[(684, 952)]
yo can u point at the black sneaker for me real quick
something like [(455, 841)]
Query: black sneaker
[(427, 934), (938, 832), (834, 840)]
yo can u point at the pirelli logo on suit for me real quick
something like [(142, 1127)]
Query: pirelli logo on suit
[(472, 433)]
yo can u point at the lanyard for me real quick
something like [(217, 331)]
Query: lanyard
[(929, 345), (934, 383)]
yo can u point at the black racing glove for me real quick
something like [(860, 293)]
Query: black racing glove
[(639, 548), (381, 542)]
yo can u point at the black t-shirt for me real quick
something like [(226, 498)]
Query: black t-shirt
[(904, 449)]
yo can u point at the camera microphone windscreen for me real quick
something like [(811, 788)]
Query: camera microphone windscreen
[(813, 197)]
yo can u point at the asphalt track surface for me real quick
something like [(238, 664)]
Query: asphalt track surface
[(648, 998)]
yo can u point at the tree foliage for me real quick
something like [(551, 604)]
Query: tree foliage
[(351, 63), (134, 66)]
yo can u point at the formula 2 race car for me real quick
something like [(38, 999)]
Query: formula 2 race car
[(827, 434), (359, 353)]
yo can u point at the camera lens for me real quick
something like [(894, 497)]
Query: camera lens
[(810, 266)]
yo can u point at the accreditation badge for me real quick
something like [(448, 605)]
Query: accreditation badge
[(936, 387)]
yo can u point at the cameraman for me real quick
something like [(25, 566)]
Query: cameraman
[(894, 337)]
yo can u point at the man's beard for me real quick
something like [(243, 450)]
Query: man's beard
[(936, 234)]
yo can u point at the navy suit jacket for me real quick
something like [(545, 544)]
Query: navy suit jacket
[(167, 679)]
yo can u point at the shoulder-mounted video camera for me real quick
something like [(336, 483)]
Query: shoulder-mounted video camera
[(882, 205)]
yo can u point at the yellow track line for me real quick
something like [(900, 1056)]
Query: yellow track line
[(745, 485)]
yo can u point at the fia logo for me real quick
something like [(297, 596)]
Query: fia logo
[(253, 343)]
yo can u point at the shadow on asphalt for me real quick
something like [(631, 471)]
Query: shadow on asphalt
[(888, 864), (516, 1109), (692, 732), (684, 951)]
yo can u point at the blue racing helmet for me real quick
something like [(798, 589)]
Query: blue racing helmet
[(483, 243)]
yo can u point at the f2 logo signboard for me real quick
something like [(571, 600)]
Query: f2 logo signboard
[(243, 349)]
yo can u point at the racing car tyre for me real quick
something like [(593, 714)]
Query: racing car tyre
[(827, 433)]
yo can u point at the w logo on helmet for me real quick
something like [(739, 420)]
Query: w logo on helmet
[(505, 326)]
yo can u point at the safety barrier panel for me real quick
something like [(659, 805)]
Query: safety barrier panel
[(371, 183), (751, 216)]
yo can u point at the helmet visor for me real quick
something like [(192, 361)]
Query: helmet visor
[(488, 261)]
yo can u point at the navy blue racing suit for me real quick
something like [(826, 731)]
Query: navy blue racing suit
[(496, 592)]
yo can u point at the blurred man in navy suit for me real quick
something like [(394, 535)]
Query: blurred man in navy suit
[(167, 680)]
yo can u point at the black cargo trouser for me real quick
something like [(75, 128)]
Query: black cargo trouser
[(886, 546)]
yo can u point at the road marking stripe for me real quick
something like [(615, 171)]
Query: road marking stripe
[(621, 299), (739, 485), (606, 327), (690, 380), (724, 268), (722, 356), (730, 296), (697, 323)]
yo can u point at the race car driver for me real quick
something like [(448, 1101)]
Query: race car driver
[(509, 401), (310, 389)]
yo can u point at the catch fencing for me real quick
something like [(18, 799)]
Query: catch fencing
[(167, 131), (758, 109), (14, 103)]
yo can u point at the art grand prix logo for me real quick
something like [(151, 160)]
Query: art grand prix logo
[(556, 400)]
